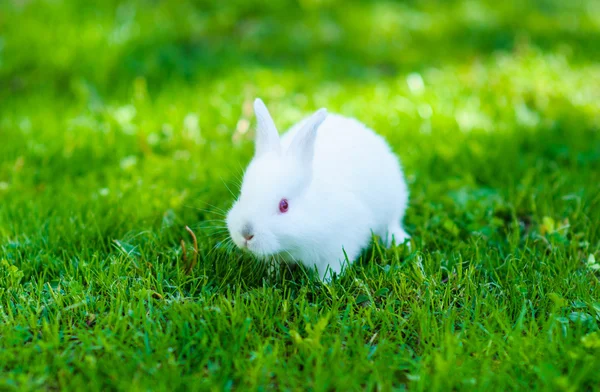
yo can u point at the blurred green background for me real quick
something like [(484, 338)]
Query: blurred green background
[(123, 121)]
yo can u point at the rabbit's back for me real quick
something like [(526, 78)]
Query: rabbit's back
[(349, 157)]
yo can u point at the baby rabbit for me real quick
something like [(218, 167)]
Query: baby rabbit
[(316, 195)]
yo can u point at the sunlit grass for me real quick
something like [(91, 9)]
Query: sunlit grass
[(122, 124)]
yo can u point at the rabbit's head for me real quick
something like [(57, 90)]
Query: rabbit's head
[(272, 206)]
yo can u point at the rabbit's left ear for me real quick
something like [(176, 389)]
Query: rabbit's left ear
[(303, 145), (267, 138)]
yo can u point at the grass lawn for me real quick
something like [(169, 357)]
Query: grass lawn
[(123, 122)]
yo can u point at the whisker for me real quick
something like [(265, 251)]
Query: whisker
[(217, 208), (221, 212), (215, 236), (228, 246), (226, 186), (213, 220), (212, 227)]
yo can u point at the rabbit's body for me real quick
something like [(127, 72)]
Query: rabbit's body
[(347, 185), (357, 189)]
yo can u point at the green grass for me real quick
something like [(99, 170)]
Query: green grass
[(122, 124)]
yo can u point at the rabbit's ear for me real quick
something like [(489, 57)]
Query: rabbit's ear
[(267, 138), (303, 145)]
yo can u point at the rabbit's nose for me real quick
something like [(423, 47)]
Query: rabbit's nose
[(247, 232)]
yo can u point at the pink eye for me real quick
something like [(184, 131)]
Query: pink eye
[(283, 206)]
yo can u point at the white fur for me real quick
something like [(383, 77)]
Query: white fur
[(342, 183)]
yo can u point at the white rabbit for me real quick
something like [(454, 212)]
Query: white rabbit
[(317, 195)]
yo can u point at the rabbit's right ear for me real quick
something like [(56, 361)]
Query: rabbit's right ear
[(267, 138), (303, 145)]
